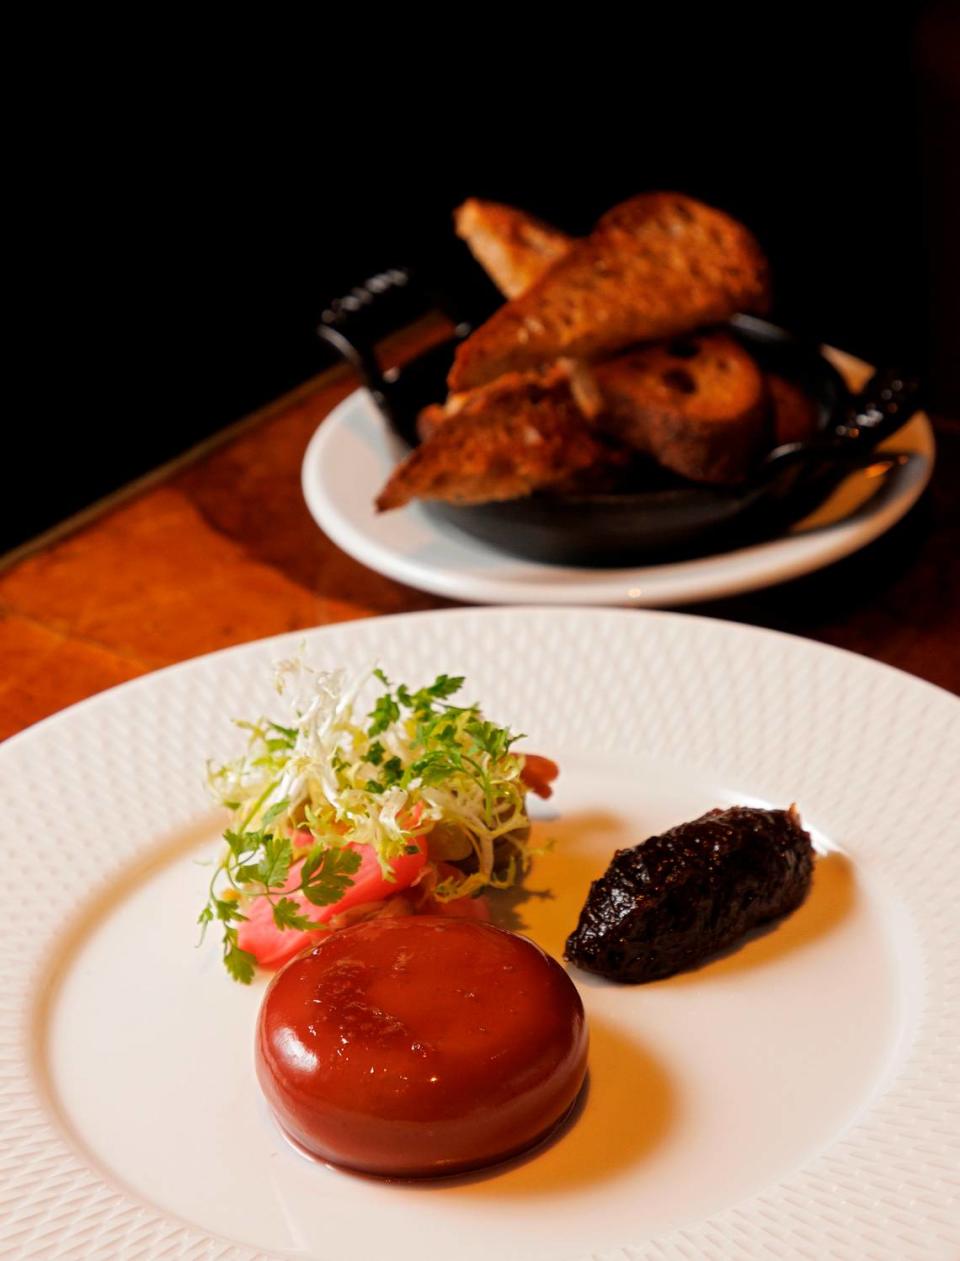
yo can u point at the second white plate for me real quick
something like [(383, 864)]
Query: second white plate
[(353, 451)]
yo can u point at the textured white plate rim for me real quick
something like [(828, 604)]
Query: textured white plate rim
[(493, 611), (168, 1237), (525, 582)]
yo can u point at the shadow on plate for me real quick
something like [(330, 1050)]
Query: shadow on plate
[(547, 904), (625, 1111)]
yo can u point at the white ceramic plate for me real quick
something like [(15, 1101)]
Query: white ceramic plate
[(353, 451), (797, 1098)]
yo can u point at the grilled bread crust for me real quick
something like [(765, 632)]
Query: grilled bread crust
[(521, 435), (514, 248), (698, 405), (655, 266)]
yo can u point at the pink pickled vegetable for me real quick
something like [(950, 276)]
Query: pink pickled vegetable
[(272, 946)]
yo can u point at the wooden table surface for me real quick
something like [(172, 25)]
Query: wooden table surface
[(219, 549)]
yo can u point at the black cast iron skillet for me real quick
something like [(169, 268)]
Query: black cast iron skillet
[(654, 515)]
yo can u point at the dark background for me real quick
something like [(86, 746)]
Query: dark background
[(193, 227)]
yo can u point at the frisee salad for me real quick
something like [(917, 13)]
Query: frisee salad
[(416, 806)]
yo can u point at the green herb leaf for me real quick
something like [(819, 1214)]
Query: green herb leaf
[(436, 766), (275, 865), (329, 878), (239, 963), (311, 863), (392, 771), (384, 714), (446, 685), (287, 914), (490, 738), (275, 810), (227, 910), (242, 843)]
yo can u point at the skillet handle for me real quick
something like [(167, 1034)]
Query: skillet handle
[(885, 403), (883, 406), (354, 324)]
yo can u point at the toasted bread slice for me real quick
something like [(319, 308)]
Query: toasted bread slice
[(657, 265), (514, 248), (520, 435), (579, 377), (698, 405), (796, 416), (432, 418)]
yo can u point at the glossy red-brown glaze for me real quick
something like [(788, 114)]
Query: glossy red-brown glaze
[(421, 1046)]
